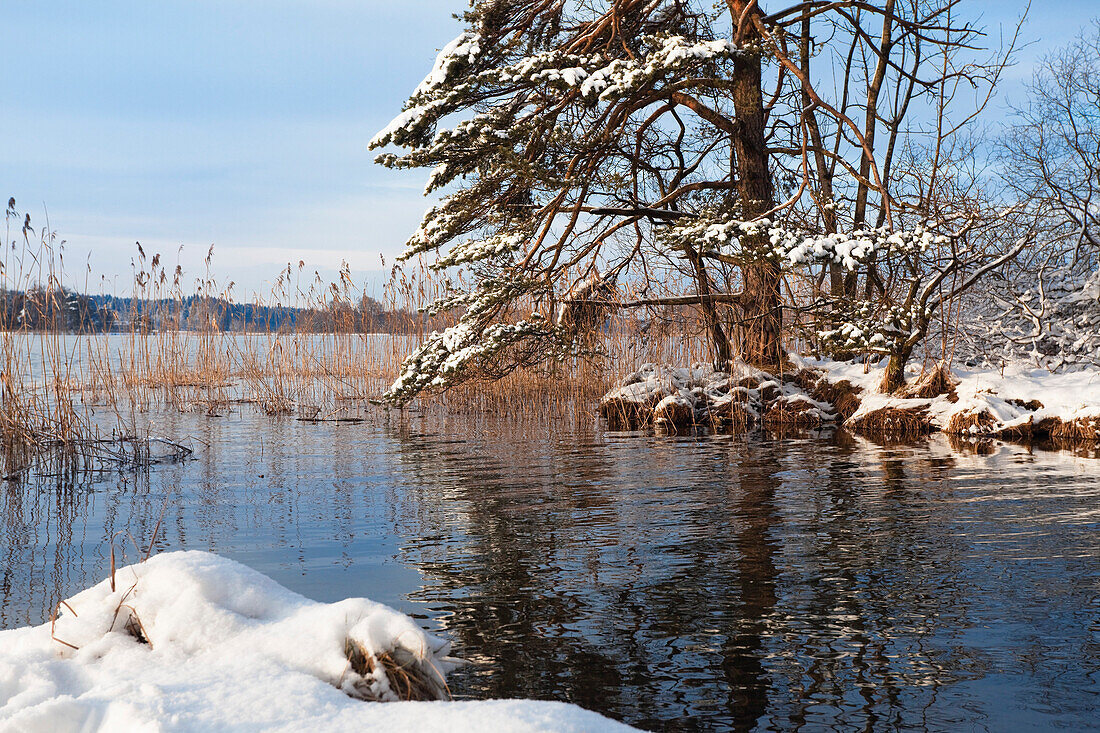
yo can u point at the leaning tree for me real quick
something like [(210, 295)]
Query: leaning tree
[(649, 153)]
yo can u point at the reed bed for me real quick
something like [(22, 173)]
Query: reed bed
[(78, 370)]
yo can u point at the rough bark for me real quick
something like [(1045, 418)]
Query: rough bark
[(894, 378), (762, 314)]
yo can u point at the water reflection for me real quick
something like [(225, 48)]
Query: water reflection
[(675, 583)]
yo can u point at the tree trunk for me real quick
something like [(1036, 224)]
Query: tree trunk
[(762, 311), (723, 353), (761, 326), (894, 378)]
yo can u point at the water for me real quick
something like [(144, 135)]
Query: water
[(697, 583)]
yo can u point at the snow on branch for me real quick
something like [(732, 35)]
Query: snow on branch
[(456, 353), (551, 74), (739, 240)]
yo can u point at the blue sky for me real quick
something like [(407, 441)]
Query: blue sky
[(244, 124)]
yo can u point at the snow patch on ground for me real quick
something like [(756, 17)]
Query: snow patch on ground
[(1012, 397), (230, 649), (1016, 403)]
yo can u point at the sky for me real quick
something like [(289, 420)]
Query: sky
[(244, 124)]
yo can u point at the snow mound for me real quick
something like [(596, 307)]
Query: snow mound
[(189, 641)]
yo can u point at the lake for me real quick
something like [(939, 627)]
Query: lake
[(674, 583)]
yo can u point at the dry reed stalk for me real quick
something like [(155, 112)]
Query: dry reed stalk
[(50, 381), (392, 676), (934, 383), (972, 422), (894, 421)]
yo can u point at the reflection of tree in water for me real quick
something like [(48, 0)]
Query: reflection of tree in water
[(675, 583), (712, 583), (867, 584), (756, 515), (627, 579)]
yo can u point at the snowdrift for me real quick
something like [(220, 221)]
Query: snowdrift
[(189, 641)]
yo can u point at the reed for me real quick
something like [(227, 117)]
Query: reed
[(78, 376), (894, 421)]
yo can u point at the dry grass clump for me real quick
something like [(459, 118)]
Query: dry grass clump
[(842, 395), (628, 414), (931, 384), (1082, 430), (894, 421), (732, 416), (674, 413), (791, 413), (972, 422), (1025, 432), (806, 379), (394, 676)]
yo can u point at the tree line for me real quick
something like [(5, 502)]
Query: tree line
[(60, 309)]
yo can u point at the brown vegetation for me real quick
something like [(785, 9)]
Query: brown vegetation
[(931, 384), (972, 422), (70, 400), (392, 676), (896, 421), (842, 395), (792, 413)]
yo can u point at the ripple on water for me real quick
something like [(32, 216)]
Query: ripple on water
[(690, 583)]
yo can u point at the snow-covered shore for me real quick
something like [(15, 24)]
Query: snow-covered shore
[(189, 641), (1017, 403)]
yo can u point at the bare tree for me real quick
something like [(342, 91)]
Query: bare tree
[(1046, 306)]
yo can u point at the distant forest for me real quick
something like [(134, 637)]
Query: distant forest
[(61, 309)]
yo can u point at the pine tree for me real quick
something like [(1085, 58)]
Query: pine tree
[(647, 153)]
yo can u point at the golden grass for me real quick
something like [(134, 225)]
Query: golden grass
[(734, 416), (842, 395), (61, 392), (72, 399), (406, 677), (1084, 430), (973, 422), (785, 414), (933, 383), (894, 421)]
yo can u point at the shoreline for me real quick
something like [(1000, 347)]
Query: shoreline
[(1015, 404)]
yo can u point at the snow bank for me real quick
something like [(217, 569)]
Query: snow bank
[(1018, 402), (191, 641)]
